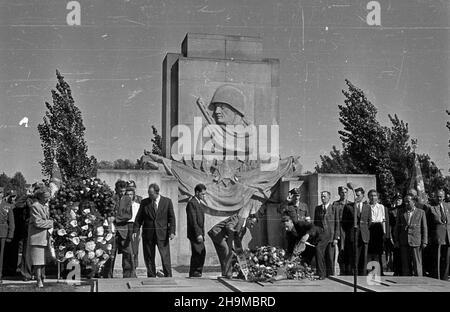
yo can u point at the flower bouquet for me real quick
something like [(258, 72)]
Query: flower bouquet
[(270, 263), (82, 233)]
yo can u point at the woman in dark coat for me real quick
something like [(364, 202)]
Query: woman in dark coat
[(38, 233)]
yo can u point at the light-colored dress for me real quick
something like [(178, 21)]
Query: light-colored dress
[(39, 225)]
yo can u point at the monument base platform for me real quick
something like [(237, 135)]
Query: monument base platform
[(395, 284), (326, 285)]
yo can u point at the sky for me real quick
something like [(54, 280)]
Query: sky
[(113, 63)]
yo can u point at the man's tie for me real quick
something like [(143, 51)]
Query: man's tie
[(155, 207), (443, 214)]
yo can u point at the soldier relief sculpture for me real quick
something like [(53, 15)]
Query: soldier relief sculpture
[(228, 162)]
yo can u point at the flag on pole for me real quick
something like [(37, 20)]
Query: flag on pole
[(417, 180)]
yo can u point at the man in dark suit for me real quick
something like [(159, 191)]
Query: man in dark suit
[(393, 253), (157, 218), (363, 220), (411, 236), (226, 236), (326, 220), (196, 230), (439, 218), (339, 207)]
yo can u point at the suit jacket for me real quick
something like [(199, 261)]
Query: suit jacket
[(195, 219), (231, 227), (6, 220), (393, 213), (327, 222), (160, 223), (413, 233), (364, 219), (438, 229), (339, 206), (40, 222), (123, 215)]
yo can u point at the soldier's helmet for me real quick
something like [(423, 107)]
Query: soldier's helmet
[(230, 95)]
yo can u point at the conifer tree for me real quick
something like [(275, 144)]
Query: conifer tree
[(62, 136)]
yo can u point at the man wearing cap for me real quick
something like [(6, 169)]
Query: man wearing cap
[(6, 226), (339, 207)]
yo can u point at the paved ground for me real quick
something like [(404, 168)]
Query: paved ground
[(212, 282), (288, 286), (51, 285), (396, 284)]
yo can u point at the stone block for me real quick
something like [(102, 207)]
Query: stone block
[(222, 47), (243, 48)]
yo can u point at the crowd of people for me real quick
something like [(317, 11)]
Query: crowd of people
[(410, 238)]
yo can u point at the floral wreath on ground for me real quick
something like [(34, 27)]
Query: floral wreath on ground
[(271, 263), (81, 211)]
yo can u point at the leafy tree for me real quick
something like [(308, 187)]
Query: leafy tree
[(363, 138), (104, 164), (4, 180), (400, 153), (369, 147), (62, 136), (17, 183), (337, 162)]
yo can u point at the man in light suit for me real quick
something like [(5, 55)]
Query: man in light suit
[(326, 221), (157, 218), (363, 220), (439, 218), (196, 230), (226, 236), (411, 236)]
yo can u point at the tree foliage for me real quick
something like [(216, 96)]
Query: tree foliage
[(62, 136), (118, 164), (17, 183), (370, 148)]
